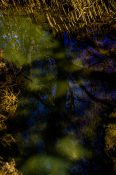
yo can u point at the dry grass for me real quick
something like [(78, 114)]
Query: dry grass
[(2, 122), (9, 101), (2, 67), (9, 168)]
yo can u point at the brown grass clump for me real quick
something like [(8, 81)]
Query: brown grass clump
[(110, 143), (9, 168), (9, 101), (110, 138), (8, 139), (2, 67), (2, 122)]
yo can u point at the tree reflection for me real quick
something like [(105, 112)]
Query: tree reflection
[(45, 164), (66, 100)]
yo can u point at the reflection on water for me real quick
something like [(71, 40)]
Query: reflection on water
[(62, 109), (45, 164), (71, 148)]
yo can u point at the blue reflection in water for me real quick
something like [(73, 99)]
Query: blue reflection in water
[(80, 101), (41, 146), (40, 110)]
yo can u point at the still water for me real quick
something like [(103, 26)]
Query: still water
[(66, 98)]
